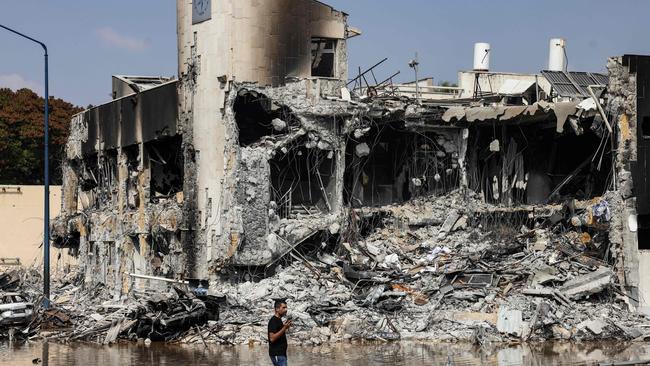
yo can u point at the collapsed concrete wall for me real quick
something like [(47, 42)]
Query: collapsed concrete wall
[(627, 110), (285, 184)]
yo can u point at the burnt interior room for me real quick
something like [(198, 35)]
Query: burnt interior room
[(89, 172), (107, 179), (401, 164), (161, 244), (254, 114), (99, 175), (514, 163), (302, 181), (166, 162), (71, 240), (323, 52)]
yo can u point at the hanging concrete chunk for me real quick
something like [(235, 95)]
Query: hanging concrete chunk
[(278, 124), (362, 150), (494, 146)]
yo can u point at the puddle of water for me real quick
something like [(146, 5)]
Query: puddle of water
[(406, 354)]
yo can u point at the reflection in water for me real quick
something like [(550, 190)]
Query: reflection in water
[(406, 354)]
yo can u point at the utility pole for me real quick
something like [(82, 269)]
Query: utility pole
[(46, 197)]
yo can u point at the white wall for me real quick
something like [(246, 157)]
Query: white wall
[(492, 81)]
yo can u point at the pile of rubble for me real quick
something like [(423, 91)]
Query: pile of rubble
[(451, 268), (156, 316), (92, 314)]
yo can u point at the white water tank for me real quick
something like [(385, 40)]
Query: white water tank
[(481, 56), (557, 54)]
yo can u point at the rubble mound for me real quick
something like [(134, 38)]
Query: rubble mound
[(447, 268)]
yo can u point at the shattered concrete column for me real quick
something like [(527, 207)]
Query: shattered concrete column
[(621, 108), (254, 196), (463, 140), (143, 224), (73, 154), (70, 188)]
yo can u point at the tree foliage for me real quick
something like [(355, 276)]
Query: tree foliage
[(21, 136)]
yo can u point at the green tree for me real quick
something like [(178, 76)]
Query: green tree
[(21, 136), (448, 83)]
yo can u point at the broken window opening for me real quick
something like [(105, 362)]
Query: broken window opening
[(89, 173), (643, 232), (257, 116), (133, 158), (108, 180), (161, 242), (71, 240), (645, 127), (323, 56), (99, 178), (301, 181), (135, 240), (315, 245), (394, 165), (133, 167), (532, 164), (166, 164)]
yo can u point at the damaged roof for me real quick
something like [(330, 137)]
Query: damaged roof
[(142, 83), (521, 114)]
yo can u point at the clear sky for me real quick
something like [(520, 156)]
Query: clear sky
[(89, 40)]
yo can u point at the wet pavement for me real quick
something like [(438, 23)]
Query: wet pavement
[(406, 354)]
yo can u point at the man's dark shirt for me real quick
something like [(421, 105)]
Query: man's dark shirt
[(279, 348)]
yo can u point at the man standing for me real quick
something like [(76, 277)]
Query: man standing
[(278, 334)]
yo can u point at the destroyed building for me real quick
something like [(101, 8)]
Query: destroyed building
[(263, 150), (172, 177)]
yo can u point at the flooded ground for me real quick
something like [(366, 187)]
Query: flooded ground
[(349, 354)]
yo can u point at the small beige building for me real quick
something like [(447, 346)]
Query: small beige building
[(21, 225)]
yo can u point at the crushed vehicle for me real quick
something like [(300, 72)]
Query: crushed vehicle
[(15, 309)]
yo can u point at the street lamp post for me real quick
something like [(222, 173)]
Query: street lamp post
[(46, 209)]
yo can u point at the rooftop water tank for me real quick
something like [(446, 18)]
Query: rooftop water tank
[(481, 56), (557, 54)]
